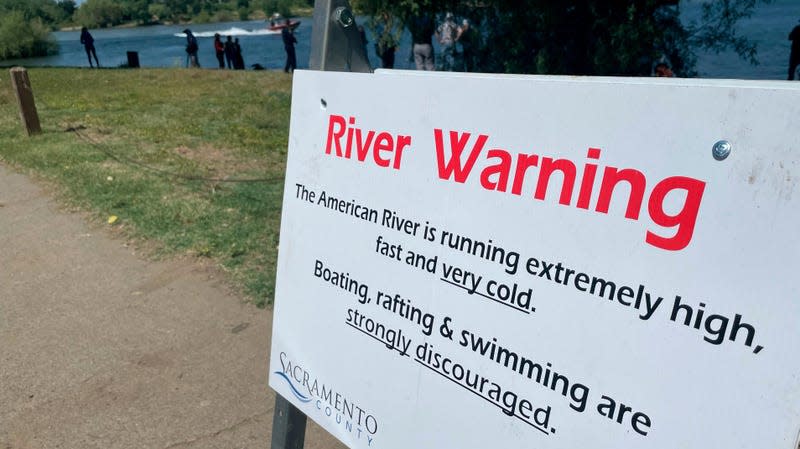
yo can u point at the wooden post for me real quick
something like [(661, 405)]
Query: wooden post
[(133, 59), (288, 425), (27, 107)]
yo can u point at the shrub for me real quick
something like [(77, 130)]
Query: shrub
[(223, 15), (100, 13), (22, 38)]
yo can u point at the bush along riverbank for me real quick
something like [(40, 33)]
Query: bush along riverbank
[(22, 38)]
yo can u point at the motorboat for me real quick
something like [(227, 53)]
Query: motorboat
[(277, 22)]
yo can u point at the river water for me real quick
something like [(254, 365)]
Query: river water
[(163, 45)]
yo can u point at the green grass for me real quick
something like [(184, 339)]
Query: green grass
[(144, 136)]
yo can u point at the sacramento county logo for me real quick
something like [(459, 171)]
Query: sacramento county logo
[(324, 400)]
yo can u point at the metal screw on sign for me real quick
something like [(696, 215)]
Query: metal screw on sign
[(721, 150), (344, 16)]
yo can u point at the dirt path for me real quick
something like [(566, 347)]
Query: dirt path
[(100, 348)]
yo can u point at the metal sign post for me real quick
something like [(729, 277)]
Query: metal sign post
[(336, 45), (288, 425)]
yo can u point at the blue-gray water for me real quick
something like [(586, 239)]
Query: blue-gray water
[(163, 45), (769, 28)]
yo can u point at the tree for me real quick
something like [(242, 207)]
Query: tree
[(23, 38), (100, 13), (282, 7), (159, 11), (67, 8), (136, 11), (588, 37), (25, 28), (48, 11)]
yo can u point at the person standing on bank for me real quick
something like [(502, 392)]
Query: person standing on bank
[(288, 44), (422, 29), (662, 70), (219, 50), (238, 59), (794, 56), (387, 38), (88, 44), (230, 52), (363, 35), (466, 36), (446, 33), (191, 49)]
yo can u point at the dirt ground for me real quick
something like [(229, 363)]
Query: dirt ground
[(103, 348)]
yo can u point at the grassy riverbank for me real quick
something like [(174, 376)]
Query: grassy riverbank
[(157, 149)]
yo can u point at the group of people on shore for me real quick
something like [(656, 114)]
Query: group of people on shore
[(449, 35), (388, 33), (228, 53)]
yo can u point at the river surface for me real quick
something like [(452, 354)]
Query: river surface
[(163, 45)]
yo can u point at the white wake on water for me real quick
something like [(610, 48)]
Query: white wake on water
[(232, 32)]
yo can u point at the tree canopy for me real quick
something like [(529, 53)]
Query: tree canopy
[(587, 37), (25, 27)]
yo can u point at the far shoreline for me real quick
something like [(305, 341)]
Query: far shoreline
[(255, 15)]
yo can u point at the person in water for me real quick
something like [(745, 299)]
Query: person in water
[(88, 44)]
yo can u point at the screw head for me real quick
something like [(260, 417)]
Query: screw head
[(344, 16), (721, 150)]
